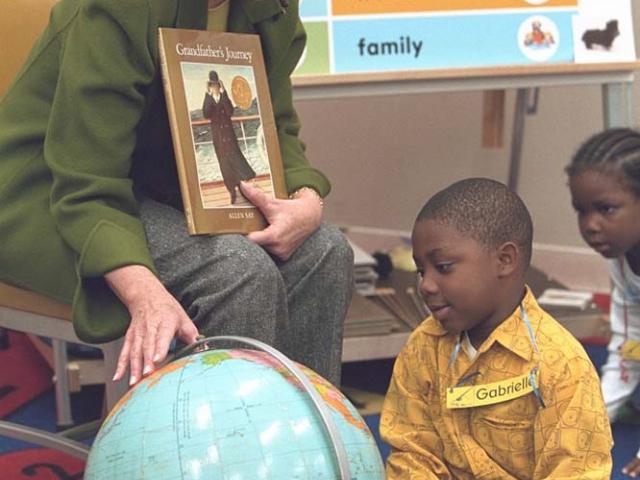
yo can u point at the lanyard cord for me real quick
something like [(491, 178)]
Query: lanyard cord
[(624, 372), (454, 352), (532, 338), (532, 374)]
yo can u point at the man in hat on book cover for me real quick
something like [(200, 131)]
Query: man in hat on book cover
[(217, 107)]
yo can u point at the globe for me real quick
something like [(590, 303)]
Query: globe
[(234, 414)]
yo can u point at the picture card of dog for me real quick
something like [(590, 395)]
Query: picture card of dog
[(603, 32)]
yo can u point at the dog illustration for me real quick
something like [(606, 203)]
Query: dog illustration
[(604, 38)]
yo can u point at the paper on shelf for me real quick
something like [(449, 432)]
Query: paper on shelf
[(565, 298)]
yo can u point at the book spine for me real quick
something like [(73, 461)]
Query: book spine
[(177, 146)]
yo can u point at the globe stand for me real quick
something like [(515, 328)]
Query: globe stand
[(325, 415), (43, 438)]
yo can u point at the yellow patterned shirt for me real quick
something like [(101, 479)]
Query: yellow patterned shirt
[(517, 439)]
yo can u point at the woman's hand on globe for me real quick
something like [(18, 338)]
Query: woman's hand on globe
[(156, 317), (291, 221)]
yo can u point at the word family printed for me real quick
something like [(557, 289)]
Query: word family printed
[(402, 46)]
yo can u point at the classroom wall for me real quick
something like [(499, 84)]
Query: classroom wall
[(386, 155)]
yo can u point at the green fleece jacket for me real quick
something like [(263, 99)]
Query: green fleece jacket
[(85, 121)]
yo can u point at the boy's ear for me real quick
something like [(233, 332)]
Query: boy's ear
[(508, 256)]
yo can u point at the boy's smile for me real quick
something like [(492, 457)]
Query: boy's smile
[(440, 311), (459, 279)]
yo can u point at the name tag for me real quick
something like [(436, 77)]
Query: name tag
[(631, 350), (490, 393)]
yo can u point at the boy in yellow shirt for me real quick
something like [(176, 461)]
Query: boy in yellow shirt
[(489, 386)]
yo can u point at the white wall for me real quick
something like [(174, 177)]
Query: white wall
[(386, 155)]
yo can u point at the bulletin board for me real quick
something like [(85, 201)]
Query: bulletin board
[(356, 36)]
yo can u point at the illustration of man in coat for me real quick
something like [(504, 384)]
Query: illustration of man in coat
[(218, 109)]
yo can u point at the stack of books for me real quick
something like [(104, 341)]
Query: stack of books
[(398, 294), (364, 273), (574, 310), (366, 318), (393, 304), (577, 312)]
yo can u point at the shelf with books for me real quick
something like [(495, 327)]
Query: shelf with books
[(378, 325)]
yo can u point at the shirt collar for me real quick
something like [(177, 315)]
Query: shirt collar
[(260, 10), (193, 13), (433, 327), (512, 334)]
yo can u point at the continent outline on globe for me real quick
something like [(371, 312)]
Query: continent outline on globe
[(229, 414)]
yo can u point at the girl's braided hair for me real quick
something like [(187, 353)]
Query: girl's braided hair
[(615, 151)]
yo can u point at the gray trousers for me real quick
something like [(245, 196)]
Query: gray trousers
[(230, 286)]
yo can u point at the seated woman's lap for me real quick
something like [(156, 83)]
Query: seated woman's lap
[(230, 286)]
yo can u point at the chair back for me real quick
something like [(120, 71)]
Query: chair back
[(21, 21)]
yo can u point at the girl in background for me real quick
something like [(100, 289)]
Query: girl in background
[(604, 179)]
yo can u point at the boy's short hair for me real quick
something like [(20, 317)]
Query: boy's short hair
[(485, 210)]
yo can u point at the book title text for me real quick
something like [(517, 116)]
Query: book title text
[(224, 53)]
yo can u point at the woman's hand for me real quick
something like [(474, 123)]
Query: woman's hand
[(290, 221), (156, 317)]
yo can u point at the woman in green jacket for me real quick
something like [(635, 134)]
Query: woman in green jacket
[(90, 210)]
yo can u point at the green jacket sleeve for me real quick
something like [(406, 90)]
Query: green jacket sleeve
[(105, 67)]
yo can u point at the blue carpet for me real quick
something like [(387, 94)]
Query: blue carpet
[(40, 413)]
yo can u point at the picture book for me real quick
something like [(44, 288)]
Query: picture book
[(222, 126)]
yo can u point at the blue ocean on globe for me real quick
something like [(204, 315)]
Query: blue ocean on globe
[(229, 415)]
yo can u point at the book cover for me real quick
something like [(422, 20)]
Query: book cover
[(222, 126)]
